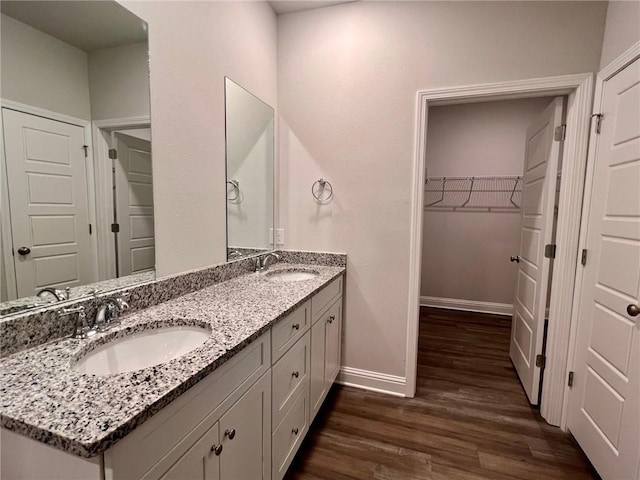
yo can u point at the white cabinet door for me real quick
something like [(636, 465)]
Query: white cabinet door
[(134, 205), (326, 338), (542, 154), (604, 408), (246, 435), (201, 462), (317, 369), (46, 173), (333, 340)]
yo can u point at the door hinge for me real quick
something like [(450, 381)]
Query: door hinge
[(583, 260), (560, 133), (115, 227), (570, 381), (86, 151), (598, 117), (90, 229), (540, 359), (113, 154), (550, 251)]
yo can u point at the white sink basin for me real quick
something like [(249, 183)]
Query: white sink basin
[(292, 275), (141, 350)]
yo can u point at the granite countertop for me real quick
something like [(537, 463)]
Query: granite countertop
[(43, 398)]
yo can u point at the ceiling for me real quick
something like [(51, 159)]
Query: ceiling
[(290, 6), (85, 25)]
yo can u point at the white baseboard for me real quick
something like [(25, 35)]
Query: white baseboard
[(373, 381), (467, 305)]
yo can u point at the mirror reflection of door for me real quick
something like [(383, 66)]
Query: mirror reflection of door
[(133, 202), (47, 189)]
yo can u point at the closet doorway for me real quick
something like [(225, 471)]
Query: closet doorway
[(578, 89), (491, 193)]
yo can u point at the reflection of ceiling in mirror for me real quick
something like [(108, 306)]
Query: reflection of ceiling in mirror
[(87, 25), (290, 6)]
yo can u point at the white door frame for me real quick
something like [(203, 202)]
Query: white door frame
[(579, 89), (605, 74), (103, 188), (5, 222)]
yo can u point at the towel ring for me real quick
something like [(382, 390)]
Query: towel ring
[(322, 183), (236, 188)]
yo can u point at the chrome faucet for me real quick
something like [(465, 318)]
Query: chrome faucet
[(263, 263), (108, 313), (59, 294)]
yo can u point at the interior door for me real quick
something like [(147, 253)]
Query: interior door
[(604, 403), (48, 200), (542, 157), (134, 205)]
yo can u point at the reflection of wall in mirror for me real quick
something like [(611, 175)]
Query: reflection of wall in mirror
[(42, 71), (119, 81), (250, 163)]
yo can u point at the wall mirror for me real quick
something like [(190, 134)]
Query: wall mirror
[(76, 194), (250, 167)]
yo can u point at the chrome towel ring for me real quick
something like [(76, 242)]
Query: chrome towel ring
[(319, 191), (235, 190)]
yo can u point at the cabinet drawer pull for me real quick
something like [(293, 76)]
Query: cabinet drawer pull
[(331, 319), (296, 374), (217, 449), (295, 431), (230, 433), (296, 326)]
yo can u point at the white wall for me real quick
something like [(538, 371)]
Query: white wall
[(465, 254), (119, 81), (347, 81), (42, 71), (193, 45), (622, 29)]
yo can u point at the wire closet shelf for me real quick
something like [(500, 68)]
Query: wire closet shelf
[(484, 193)]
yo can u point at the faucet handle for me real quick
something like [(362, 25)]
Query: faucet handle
[(71, 310), (81, 329)]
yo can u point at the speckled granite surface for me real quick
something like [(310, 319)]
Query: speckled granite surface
[(22, 330), (43, 398)]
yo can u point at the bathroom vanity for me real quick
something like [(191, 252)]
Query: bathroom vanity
[(237, 407)]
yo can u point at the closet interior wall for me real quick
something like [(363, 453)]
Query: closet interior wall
[(465, 251)]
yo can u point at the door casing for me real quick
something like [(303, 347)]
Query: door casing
[(579, 89), (103, 193)]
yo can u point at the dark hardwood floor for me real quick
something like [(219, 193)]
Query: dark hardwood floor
[(470, 419)]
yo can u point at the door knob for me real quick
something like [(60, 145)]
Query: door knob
[(633, 310), (24, 250), (230, 433), (515, 258)]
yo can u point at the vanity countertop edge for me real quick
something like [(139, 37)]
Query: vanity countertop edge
[(43, 398)]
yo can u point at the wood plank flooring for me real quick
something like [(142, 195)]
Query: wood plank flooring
[(470, 419)]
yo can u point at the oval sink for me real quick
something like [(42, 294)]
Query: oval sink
[(291, 275), (141, 350)]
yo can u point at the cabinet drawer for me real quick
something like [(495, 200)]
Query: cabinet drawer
[(325, 297), (289, 376), (288, 330), (289, 435)]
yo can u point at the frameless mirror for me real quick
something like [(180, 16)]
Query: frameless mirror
[(250, 159), (76, 191)]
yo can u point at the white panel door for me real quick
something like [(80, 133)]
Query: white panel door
[(47, 179), (134, 205), (604, 404), (542, 154)]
